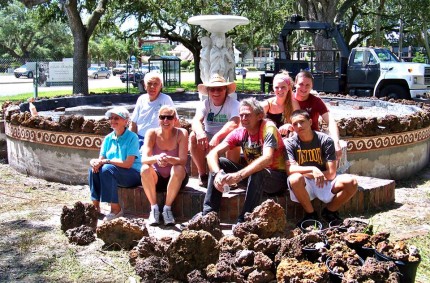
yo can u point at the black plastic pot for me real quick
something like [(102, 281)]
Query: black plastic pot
[(363, 252), (408, 270), (338, 224), (310, 225), (336, 277), (312, 254)]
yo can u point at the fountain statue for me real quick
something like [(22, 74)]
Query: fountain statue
[(216, 55)]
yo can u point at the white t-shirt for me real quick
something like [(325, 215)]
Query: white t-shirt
[(145, 114), (220, 114)]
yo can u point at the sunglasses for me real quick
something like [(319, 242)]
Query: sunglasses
[(114, 118), (168, 117)]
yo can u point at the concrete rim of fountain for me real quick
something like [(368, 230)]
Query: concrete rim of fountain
[(392, 155)]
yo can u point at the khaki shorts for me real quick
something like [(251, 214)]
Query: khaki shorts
[(324, 194)]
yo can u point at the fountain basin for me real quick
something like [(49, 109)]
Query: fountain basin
[(64, 156), (218, 23)]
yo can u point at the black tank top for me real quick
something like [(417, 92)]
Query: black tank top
[(278, 119)]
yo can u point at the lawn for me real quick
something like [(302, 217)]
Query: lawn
[(251, 85)]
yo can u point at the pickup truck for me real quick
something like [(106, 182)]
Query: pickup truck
[(363, 71)]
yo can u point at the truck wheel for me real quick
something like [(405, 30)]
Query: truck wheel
[(30, 75), (395, 91)]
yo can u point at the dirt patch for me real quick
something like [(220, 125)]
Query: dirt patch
[(34, 249)]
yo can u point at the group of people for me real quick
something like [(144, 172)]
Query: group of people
[(280, 139)]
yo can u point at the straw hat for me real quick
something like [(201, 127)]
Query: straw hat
[(215, 81)]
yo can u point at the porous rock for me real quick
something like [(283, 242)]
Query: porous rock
[(121, 233), (196, 276), (79, 214), (152, 269), (88, 126), (77, 121), (267, 220), (102, 127), (191, 250), (209, 223), (292, 270), (147, 246), (82, 235), (373, 271), (65, 121), (260, 276)]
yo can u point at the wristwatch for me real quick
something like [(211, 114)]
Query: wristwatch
[(107, 161)]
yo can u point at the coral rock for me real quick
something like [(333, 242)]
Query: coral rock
[(80, 214), (147, 246), (121, 233), (291, 270), (267, 220), (82, 235), (102, 127), (209, 223), (191, 250), (152, 269)]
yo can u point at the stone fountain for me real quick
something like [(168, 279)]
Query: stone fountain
[(216, 55)]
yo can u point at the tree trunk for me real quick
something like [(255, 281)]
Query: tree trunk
[(80, 64), (424, 34), (324, 11), (197, 78)]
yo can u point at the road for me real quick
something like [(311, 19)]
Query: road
[(9, 85)]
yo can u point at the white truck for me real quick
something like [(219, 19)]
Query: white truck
[(363, 71)]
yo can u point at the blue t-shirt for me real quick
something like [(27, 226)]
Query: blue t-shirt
[(121, 147)]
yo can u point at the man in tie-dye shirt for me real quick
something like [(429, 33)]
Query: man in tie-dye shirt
[(264, 153)]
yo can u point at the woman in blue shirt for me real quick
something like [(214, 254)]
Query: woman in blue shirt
[(118, 164)]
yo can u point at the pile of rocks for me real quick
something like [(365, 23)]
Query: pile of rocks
[(260, 250)]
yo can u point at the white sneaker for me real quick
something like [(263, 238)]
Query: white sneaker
[(168, 218), (112, 216), (154, 218)]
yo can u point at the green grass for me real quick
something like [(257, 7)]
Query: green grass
[(248, 86), (423, 244)]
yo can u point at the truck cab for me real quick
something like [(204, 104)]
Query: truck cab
[(378, 72), (363, 71)]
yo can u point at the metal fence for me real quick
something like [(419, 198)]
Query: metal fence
[(57, 74)]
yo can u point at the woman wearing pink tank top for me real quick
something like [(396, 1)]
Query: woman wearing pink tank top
[(164, 156)]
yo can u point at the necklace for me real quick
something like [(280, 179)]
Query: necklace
[(211, 115)]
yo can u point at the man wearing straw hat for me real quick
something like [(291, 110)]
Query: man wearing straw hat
[(215, 118)]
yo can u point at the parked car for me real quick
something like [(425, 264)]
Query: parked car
[(238, 71), (26, 70), (146, 69), (121, 69), (134, 78), (96, 72)]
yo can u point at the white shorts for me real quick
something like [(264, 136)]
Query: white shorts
[(324, 194)]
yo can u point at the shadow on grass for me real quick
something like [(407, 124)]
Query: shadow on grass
[(421, 178), (19, 244)]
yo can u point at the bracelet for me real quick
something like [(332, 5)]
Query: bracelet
[(107, 161)]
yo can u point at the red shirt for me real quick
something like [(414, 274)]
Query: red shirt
[(315, 107)]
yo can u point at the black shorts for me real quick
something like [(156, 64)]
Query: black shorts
[(162, 183)]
